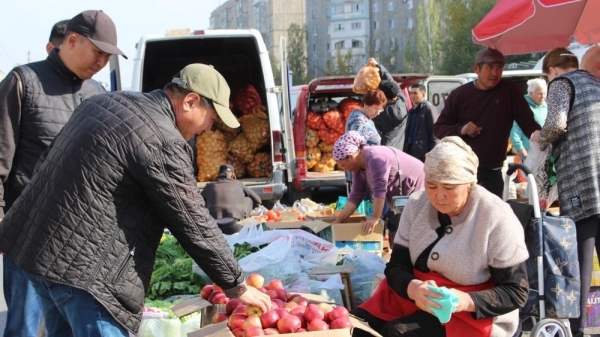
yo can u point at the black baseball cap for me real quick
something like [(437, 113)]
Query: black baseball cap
[(390, 89), (226, 168), (98, 28)]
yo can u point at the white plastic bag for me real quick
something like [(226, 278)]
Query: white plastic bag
[(258, 211), (537, 162), (367, 265), (279, 207)]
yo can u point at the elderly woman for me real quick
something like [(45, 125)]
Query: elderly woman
[(360, 120), (572, 128), (457, 235), (382, 171), (536, 97)]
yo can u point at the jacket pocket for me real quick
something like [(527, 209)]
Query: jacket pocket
[(124, 264)]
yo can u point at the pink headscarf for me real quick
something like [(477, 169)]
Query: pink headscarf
[(349, 143)]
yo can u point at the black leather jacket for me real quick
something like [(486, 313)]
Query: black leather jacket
[(94, 212)]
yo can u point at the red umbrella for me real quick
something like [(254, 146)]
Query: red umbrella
[(527, 26)]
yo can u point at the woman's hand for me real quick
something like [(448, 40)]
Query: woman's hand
[(419, 292), (465, 302), (369, 225)]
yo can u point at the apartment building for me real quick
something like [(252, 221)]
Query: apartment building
[(271, 18), (366, 28)]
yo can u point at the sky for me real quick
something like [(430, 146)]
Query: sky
[(25, 25)]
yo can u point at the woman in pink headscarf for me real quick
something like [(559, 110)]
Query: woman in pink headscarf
[(382, 171)]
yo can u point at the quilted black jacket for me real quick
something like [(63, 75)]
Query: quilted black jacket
[(94, 212)]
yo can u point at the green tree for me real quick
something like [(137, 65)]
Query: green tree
[(296, 48), (423, 52), (275, 68), (341, 64)]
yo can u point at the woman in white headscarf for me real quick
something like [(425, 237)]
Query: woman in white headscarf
[(456, 235)]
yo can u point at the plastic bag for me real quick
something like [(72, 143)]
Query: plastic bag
[(367, 266), (259, 210), (279, 207), (303, 209), (328, 287), (164, 327), (538, 162), (366, 79)]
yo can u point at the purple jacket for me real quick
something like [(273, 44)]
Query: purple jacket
[(380, 177)]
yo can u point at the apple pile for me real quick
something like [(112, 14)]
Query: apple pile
[(290, 313)]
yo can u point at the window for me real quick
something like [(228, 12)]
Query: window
[(410, 23), (315, 31), (375, 25), (377, 45), (391, 23), (356, 25), (357, 8), (338, 27), (339, 45), (339, 9), (357, 43), (375, 8), (314, 47), (392, 43), (347, 9), (314, 13), (410, 4), (327, 46), (390, 6)]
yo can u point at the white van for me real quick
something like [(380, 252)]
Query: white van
[(439, 87), (242, 58)]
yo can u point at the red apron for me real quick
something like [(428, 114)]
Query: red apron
[(385, 304)]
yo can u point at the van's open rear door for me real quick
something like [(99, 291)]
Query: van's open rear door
[(115, 73), (285, 112)]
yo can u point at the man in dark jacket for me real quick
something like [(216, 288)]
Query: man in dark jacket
[(86, 229), (419, 133), (229, 198), (36, 100), (391, 123)]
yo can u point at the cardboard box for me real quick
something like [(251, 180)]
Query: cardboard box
[(330, 214), (221, 330), (207, 309), (349, 233)]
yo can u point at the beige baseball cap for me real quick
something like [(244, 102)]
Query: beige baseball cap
[(209, 83)]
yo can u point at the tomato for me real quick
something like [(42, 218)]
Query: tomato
[(271, 215)]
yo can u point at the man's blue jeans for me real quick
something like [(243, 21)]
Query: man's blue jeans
[(24, 310), (72, 312)]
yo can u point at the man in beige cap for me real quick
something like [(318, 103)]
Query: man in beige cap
[(482, 114), (86, 230)]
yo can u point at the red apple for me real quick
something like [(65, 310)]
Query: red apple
[(281, 312), (253, 310), (279, 303), (338, 312), (299, 310), (325, 307), (262, 290), (206, 291), (271, 331), (313, 312), (282, 294), (236, 321), (341, 323), (300, 330), (240, 310), (216, 287), (291, 305), (290, 297), (218, 297), (238, 332), (272, 294), (255, 280), (288, 324), (231, 305), (301, 301), (274, 284), (253, 331), (269, 319), (317, 325), (252, 321), (219, 317), (301, 318), (213, 294)]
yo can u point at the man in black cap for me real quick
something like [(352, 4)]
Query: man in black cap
[(391, 122), (482, 114), (36, 101), (229, 198), (57, 35)]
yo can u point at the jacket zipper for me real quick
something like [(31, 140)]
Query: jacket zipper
[(124, 264)]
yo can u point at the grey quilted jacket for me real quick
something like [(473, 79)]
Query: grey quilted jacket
[(93, 215)]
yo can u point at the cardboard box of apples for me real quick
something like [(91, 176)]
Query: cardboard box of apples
[(290, 313)]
